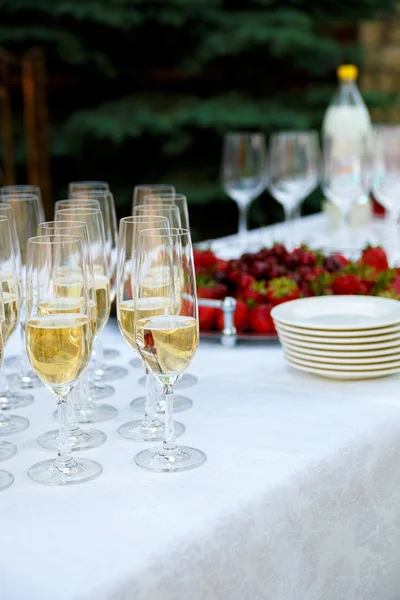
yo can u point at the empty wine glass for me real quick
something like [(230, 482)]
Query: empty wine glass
[(294, 170), (59, 344), (386, 178), (347, 175), (243, 173)]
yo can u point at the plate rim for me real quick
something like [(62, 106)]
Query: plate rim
[(344, 340), (342, 360), (350, 298), (344, 375), (339, 332), (345, 368)]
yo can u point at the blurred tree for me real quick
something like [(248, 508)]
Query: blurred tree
[(143, 91)]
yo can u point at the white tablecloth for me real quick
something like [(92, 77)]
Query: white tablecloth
[(299, 498)]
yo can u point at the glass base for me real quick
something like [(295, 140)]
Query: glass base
[(158, 460), (181, 403), (85, 440), (29, 381), (13, 424), (134, 431), (13, 400), (187, 380), (7, 450), (101, 391), (93, 413), (13, 362), (136, 363), (6, 479), (46, 472), (110, 373), (111, 353)]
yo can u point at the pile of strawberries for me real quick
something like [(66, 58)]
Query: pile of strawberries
[(261, 280)]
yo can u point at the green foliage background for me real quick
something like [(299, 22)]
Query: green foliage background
[(141, 91)]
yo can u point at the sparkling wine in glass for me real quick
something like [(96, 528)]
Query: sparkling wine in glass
[(86, 410), (58, 344), (155, 301), (167, 343), (69, 291)]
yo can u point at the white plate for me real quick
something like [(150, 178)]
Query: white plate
[(342, 353), (342, 340), (338, 347), (337, 334), (344, 374), (339, 312), (380, 361), (354, 368)]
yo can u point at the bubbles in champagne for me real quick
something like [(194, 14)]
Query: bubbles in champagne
[(167, 344), (58, 347)]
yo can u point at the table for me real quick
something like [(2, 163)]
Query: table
[(299, 498)]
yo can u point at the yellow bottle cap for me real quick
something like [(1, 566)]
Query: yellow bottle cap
[(347, 72)]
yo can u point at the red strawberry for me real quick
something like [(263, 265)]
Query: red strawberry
[(207, 317), (376, 258), (347, 285), (205, 259), (244, 281), (260, 320), (281, 290), (341, 259), (240, 316), (256, 293)]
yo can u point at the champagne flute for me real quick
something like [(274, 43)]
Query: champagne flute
[(105, 199), (177, 202), (28, 214), (11, 280), (174, 215), (31, 190), (69, 291), (243, 173), (58, 345), (167, 343), (155, 302), (294, 170), (140, 191), (88, 411), (8, 319), (86, 186)]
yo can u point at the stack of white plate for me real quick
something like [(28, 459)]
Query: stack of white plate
[(341, 337)]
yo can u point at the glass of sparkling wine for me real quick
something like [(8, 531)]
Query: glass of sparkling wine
[(155, 302), (94, 222), (68, 298), (11, 304), (105, 200), (7, 450), (58, 345), (167, 342)]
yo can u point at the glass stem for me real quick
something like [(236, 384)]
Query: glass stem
[(98, 356), (150, 410), (4, 388), (169, 443), (243, 218), (290, 215), (64, 460), (25, 366), (73, 427)]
